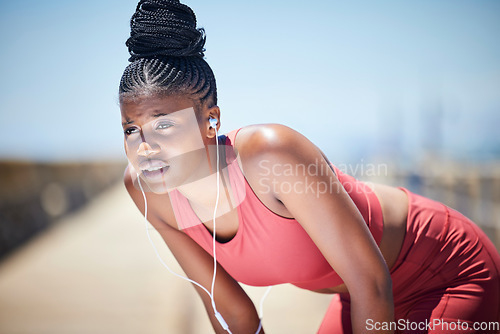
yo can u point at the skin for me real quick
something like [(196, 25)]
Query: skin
[(344, 241)]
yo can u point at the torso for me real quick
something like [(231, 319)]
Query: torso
[(393, 201), (394, 214)]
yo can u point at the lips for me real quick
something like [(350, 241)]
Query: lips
[(153, 168)]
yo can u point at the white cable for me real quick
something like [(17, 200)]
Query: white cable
[(261, 306), (213, 220), (152, 243), (217, 314), (210, 293)]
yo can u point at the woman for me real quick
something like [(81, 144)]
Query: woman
[(395, 261)]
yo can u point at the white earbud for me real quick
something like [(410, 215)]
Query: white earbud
[(213, 123)]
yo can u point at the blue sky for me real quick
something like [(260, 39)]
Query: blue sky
[(356, 77)]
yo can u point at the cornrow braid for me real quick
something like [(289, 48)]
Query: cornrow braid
[(166, 54)]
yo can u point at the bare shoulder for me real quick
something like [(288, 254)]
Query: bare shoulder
[(259, 140), (264, 150)]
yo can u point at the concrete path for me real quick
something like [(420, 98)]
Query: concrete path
[(94, 272)]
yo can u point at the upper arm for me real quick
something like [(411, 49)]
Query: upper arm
[(317, 200)]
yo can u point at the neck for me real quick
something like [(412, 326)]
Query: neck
[(202, 193)]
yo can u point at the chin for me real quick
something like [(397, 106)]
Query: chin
[(162, 190), (159, 188)]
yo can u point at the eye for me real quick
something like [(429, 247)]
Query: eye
[(163, 126), (130, 131)]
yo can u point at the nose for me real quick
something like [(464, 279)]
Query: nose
[(145, 150)]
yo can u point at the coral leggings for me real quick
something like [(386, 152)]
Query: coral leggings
[(445, 280)]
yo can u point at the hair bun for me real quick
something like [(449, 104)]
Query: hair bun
[(164, 28)]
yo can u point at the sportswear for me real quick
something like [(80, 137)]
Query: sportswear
[(269, 249)]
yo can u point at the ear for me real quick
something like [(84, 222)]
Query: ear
[(212, 112)]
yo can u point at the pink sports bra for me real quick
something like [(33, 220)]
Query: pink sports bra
[(269, 249)]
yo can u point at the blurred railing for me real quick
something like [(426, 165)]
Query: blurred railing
[(34, 195), (472, 189)]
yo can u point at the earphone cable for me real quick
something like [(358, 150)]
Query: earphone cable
[(211, 292), (213, 220), (212, 298), (154, 247)]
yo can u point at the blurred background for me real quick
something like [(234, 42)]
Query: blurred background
[(404, 93)]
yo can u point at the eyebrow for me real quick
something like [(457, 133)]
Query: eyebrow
[(160, 114), (155, 116)]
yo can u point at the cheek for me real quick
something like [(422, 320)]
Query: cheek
[(125, 146), (127, 150), (181, 145), (171, 146), (130, 150)]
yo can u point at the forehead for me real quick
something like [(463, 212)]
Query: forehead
[(150, 105)]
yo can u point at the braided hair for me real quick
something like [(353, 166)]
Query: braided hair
[(166, 54)]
